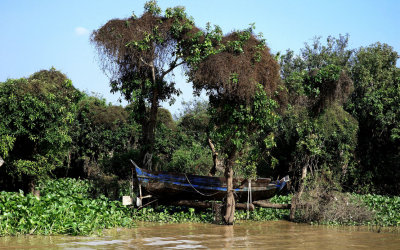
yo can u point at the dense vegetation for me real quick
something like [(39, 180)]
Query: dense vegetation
[(327, 116), (65, 207), (70, 206)]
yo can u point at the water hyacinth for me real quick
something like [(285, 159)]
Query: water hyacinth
[(63, 208), (66, 206)]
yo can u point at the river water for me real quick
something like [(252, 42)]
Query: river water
[(248, 235)]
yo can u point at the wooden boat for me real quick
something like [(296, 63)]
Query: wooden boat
[(178, 186)]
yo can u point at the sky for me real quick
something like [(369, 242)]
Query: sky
[(40, 34)]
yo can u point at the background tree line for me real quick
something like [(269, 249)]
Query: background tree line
[(327, 109)]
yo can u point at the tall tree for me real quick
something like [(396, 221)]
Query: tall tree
[(375, 103), (139, 54), (318, 83), (240, 77), (316, 129)]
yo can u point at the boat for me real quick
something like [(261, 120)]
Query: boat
[(167, 186)]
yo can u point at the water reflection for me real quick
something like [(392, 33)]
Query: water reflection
[(249, 235)]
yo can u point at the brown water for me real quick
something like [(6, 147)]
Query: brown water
[(254, 235)]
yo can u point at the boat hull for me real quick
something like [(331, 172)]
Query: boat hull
[(175, 186)]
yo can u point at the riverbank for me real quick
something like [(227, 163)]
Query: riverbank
[(67, 206)]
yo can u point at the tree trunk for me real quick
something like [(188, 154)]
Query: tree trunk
[(1, 161), (297, 196), (303, 178), (229, 216), (217, 162), (268, 204), (31, 185), (150, 125)]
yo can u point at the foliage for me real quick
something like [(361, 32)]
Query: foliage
[(375, 104), (354, 209), (119, 166), (238, 127), (37, 113), (181, 146), (371, 164), (386, 208), (165, 117), (194, 119), (326, 141), (338, 130), (317, 55), (100, 132), (240, 76), (138, 54), (323, 202), (315, 129), (65, 207), (239, 62), (66, 187), (181, 150), (168, 214), (194, 158), (329, 109)]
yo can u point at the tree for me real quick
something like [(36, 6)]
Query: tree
[(36, 116), (139, 54), (190, 153), (100, 131), (318, 83), (375, 104), (194, 119), (319, 134), (317, 55), (240, 76)]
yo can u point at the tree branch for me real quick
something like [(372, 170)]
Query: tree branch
[(217, 162), (174, 65), (143, 61)]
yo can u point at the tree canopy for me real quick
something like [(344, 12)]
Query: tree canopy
[(375, 104), (242, 61), (240, 77), (36, 116), (139, 53)]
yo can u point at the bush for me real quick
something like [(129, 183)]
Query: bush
[(332, 208), (36, 115), (322, 202)]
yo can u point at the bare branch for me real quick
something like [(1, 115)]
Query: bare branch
[(174, 65), (143, 61)]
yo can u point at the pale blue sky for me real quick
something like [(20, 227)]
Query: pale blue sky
[(39, 34)]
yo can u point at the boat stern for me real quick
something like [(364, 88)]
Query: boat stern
[(280, 184)]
